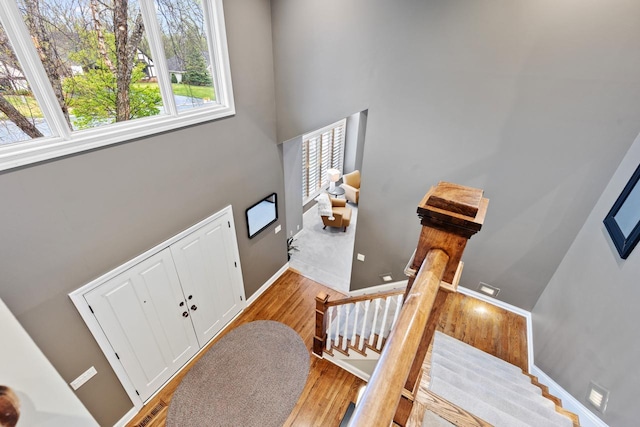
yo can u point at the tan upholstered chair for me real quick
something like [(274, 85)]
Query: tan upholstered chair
[(341, 215), (351, 186)]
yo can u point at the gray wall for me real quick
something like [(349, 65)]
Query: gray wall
[(585, 322), (536, 101), (354, 141), (292, 166), (68, 221), (351, 142)]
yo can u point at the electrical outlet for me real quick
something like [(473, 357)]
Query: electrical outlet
[(298, 227), (278, 228), (360, 257), (86, 376)]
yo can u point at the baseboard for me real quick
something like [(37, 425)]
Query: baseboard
[(512, 308), (570, 403), (267, 284), (379, 288), (122, 422)]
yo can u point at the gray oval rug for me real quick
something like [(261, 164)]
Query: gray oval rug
[(253, 376)]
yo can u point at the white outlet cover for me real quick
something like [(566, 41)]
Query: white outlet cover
[(83, 378), (360, 257)]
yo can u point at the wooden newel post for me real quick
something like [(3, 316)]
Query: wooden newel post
[(450, 214), (321, 325)]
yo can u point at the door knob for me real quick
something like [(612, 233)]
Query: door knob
[(193, 307), (185, 314)]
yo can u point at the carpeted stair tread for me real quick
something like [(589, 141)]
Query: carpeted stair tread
[(517, 380), (470, 352), (522, 406), (486, 376), (477, 407), (432, 420), (489, 387)]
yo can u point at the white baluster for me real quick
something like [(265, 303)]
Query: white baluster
[(397, 312), (383, 325), (355, 322), (375, 321), (329, 325), (367, 303), (345, 338), (336, 339)]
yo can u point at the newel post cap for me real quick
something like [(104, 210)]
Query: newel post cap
[(454, 208)]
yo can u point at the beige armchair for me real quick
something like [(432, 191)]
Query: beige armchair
[(351, 185), (341, 215)]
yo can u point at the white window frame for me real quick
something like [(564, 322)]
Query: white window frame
[(64, 141), (314, 134)]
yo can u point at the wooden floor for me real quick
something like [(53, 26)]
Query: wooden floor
[(489, 328), (329, 389)]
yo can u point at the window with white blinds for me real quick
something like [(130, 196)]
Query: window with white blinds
[(321, 150)]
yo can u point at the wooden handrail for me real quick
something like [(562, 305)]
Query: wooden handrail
[(359, 298), (384, 390)]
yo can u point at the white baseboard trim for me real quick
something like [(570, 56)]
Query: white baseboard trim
[(267, 284), (512, 308), (570, 403), (493, 301), (379, 288), (122, 422)]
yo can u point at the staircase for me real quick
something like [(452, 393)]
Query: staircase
[(488, 387), (414, 382), (460, 384)]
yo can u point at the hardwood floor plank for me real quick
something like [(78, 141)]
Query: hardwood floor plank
[(486, 327)]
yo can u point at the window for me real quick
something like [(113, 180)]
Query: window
[(80, 74), (20, 114), (321, 150)]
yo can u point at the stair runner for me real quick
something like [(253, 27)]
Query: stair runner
[(488, 387)]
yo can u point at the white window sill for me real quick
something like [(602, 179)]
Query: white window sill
[(27, 152)]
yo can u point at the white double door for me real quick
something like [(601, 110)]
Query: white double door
[(159, 313)]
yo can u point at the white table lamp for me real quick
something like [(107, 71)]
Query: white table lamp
[(334, 176)]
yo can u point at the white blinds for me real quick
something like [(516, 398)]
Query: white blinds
[(321, 150)]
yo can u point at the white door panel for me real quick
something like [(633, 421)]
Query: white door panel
[(140, 315), (209, 277), (162, 285)]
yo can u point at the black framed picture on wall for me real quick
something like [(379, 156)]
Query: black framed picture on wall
[(261, 215), (623, 220)]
